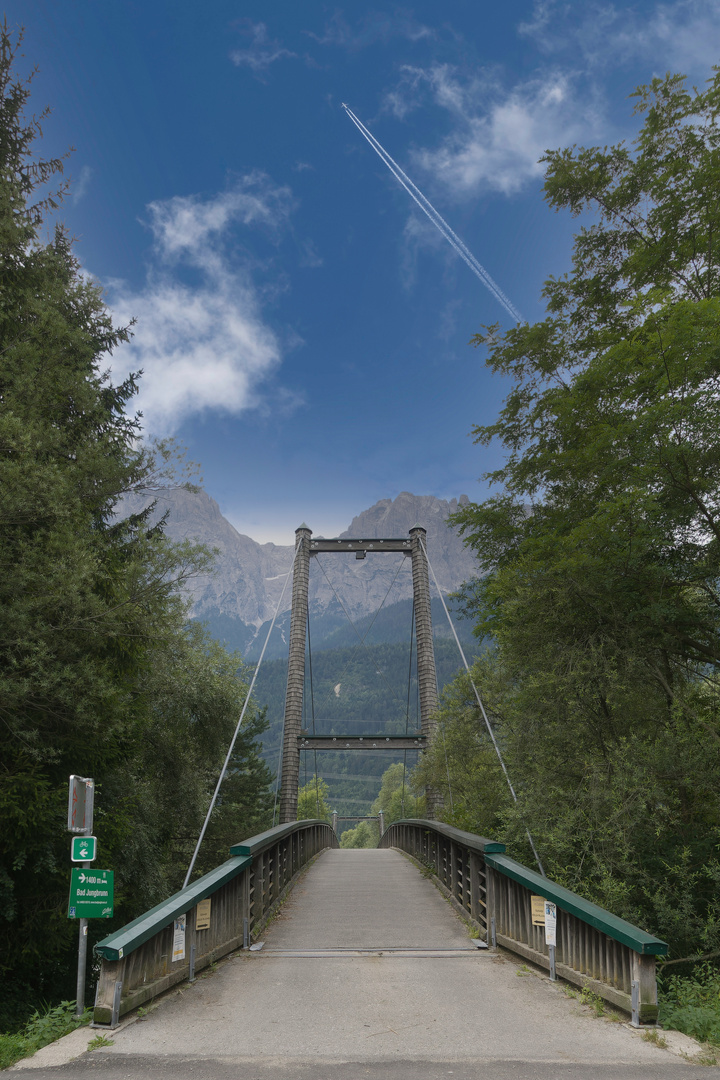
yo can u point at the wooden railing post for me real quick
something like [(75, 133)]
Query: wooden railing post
[(474, 872), (491, 901), (644, 976)]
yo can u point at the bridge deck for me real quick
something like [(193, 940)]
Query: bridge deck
[(309, 999), (366, 899)]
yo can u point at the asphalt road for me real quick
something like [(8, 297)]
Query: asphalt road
[(131, 1067)]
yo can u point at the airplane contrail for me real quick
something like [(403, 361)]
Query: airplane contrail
[(439, 222)]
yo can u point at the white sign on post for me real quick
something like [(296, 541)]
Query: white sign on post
[(550, 923), (178, 952)]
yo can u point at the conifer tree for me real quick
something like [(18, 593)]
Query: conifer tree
[(95, 650)]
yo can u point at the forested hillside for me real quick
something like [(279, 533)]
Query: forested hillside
[(362, 691), (330, 629), (602, 546)]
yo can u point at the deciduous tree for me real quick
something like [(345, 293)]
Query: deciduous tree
[(601, 551)]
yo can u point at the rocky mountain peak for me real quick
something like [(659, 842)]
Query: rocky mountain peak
[(248, 578)]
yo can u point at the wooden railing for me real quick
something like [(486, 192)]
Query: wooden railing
[(137, 962), (455, 858), (594, 949)]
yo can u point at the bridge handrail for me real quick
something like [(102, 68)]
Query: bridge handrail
[(142, 959), (136, 933), (618, 929), (266, 839), (594, 948), (475, 843)]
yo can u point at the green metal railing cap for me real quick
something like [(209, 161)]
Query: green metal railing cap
[(616, 928), (256, 843), (469, 840), (140, 930)]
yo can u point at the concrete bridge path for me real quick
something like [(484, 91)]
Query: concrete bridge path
[(425, 1003)]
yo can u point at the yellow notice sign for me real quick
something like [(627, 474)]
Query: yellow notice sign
[(202, 915), (538, 910)]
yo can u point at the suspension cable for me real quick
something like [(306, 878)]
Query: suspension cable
[(407, 708), (237, 728), (277, 781), (482, 707)]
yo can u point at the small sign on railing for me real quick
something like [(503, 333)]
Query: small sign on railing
[(202, 914), (550, 923), (178, 949), (544, 913), (537, 910)]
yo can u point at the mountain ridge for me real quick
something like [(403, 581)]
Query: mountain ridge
[(248, 578)]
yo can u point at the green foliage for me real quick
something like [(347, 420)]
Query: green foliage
[(40, 1030), (99, 672), (395, 798), (312, 800), (193, 694), (692, 1004), (601, 550), (593, 1000), (362, 836), (460, 763), (99, 1041)]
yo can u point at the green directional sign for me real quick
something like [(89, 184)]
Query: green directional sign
[(91, 894), (83, 848)]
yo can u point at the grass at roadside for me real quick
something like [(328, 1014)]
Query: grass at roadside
[(42, 1028), (691, 1004)]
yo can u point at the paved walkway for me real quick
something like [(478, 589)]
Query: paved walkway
[(316, 1003)]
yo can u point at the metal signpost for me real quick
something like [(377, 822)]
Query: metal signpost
[(81, 798)]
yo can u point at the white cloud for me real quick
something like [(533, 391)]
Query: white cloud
[(200, 336), (375, 27), (262, 51), (309, 255), (498, 136), (81, 184), (543, 13), (185, 226), (681, 36), (498, 132), (419, 234)]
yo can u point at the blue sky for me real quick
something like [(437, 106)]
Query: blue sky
[(303, 328)]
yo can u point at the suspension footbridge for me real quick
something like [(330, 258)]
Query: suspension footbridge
[(436, 954)]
